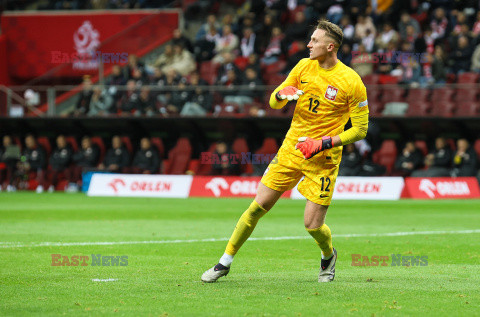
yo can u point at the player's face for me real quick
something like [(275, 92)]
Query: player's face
[(319, 45)]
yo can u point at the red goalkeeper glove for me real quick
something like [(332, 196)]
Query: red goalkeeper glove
[(289, 93), (310, 147)]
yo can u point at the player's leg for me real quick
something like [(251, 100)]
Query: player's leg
[(318, 229), (263, 202)]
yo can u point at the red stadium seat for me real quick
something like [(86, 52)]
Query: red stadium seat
[(466, 109), (442, 109), (393, 94), (179, 157), (269, 146), (375, 108), (418, 108), (371, 79), (72, 142), (206, 169), (209, 71), (452, 144), (468, 78), (275, 79), (466, 94), (128, 144), (374, 94), (476, 146), (274, 68), (387, 154), (240, 146), (442, 94), (158, 143), (418, 94), (101, 146), (45, 143), (422, 146)]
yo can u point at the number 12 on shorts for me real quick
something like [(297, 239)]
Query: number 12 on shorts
[(325, 180)]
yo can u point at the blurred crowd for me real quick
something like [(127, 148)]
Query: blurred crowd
[(67, 161), (237, 52)]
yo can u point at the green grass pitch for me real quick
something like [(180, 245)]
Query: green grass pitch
[(166, 257)]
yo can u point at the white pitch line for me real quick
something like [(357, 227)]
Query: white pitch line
[(351, 235), (104, 280)]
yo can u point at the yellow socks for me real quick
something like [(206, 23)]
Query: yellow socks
[(323, 237), (245, 226)]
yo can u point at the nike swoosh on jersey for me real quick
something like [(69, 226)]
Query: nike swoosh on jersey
[(323, 196), (303, 82)]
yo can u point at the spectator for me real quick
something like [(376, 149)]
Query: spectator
[(350, 164), (411, 72), (206, 28), (231, 93), (200, 100), (60, 162), (248, 43), (224, 166), (117, 157), (298, 30), (464, 160), (461, 56), (86, 158), (409, 160), (476, 25), (83, 102), (129, 100), (300, 52), (439, 24), (9, 156), (145, 103), (205, 47), (33, 163), (133, 64), (252, 81), (182, 40), (116, 80), (438, 162), (406, 20), (253, 62), (439, 71), (227, 43), (274, 47), (183, 61), (347, 28), (146, 160), (387, 35), (166, 58), (265, 32), (476, 59), (101, 102), (361, 62), (227, 65), (345, 54), (363, 24), (178, 98)]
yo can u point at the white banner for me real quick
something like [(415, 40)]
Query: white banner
[(139, 185), (364, 188)]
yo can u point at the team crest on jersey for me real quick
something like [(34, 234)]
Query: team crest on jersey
[(331, 93)]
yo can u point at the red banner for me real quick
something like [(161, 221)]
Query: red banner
[(226, 186), (441, 187), (37, 43)]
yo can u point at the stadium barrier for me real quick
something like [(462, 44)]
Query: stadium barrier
[(441, 187), (182, 186)]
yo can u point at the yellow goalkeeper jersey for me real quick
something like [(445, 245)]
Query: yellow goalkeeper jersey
[(331, 96)]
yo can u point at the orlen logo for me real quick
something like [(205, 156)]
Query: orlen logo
[(238, 187), (116, 182), (452, 188), (358, 188)]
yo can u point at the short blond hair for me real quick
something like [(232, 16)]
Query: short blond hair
[(331, 30)]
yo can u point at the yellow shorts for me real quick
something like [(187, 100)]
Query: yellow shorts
[(320, 172)]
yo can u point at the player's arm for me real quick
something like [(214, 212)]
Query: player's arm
[(287, 90), (358, 108)]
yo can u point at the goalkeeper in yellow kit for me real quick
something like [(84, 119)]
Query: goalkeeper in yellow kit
[(328, 94)]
